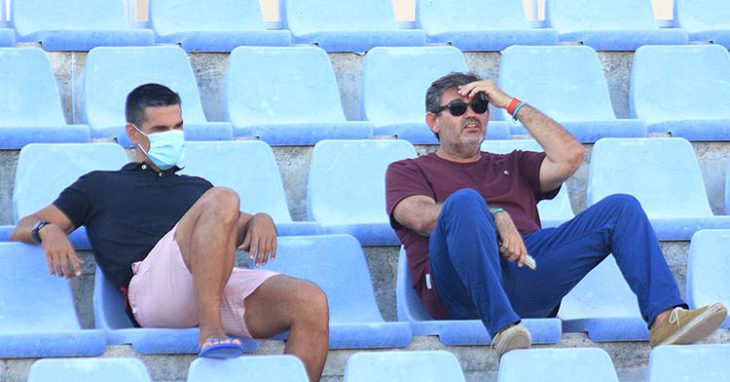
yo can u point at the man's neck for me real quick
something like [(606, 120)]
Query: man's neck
[(459, 156)]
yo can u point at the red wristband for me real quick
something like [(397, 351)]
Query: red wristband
[(513, 104)]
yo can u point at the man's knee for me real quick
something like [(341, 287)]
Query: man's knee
[(623, 202), (223, 202), (466, 199), (312, 299)]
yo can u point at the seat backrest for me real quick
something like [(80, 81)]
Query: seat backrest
[(247, 167), (113, 72), (170, 16), (109, 305), (575, 364), (408, 304), (701, 15), (662, 173), (438, 365), (708, 265), (347, 179), (44, 170), (437, 16), (31, 16), (591, 298), (582, 15), (663, 76), (567, 84), (413, 69), (557, 209), (269, 368), (269, 85), (89, 369), (337, 264), (32, 299), (308, 16), (707, 362), (27, 82)]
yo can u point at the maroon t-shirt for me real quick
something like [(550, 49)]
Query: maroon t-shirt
[(510, 181)]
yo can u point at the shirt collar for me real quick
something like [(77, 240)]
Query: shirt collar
[(142, 166)]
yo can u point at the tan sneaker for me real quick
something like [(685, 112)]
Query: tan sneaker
[(514, 337), (688, 326)]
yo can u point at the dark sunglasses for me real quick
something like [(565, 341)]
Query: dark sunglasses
[(458, 108)]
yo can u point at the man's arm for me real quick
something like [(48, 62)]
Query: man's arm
[(564, 154), (257, 235), (60, 254)]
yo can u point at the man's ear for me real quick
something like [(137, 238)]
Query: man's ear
[(431, 122), (132, 133)]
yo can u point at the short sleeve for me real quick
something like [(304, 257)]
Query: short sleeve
[(76, 200), (530, 163), (403, 179)]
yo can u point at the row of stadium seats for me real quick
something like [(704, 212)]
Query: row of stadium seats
[(337, 264), (346, 187), (666, 364), (289, 96), (357, 26)]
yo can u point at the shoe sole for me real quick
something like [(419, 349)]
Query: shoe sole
[(699, 328)]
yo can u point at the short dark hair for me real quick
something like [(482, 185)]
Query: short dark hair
[(449, 81), (148, 95)]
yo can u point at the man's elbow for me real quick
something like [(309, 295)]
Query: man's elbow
[(575, 159)]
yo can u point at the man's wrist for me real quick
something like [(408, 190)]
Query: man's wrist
[(497, 211), (35, 232)]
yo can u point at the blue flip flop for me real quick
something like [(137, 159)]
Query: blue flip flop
[(221, 347)]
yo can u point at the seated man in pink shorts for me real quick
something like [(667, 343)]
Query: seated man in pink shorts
[(169, 241)]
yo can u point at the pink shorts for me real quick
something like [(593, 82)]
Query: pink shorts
[(162, 291)]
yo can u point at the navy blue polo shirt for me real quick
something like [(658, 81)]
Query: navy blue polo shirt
[(126, 212)]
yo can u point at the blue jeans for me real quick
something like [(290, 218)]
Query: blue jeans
[(474, 281)]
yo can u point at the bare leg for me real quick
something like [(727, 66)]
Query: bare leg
[(282, 303), (207, 238)]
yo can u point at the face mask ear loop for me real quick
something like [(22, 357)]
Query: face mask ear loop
[(148, 137)]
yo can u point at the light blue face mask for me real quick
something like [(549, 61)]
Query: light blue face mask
[(167, 149)]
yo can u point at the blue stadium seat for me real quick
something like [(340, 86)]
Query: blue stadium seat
[(27, 82), (346, 25), (256, 178), (75, 25), (7, 37), (660, 75), (610, 24), (286, 96), (566, 83), (603, 305), (479, 25), (38, 316), (346, 190), (269, 368), (337, 264), (707, 269), (457, 332), (395, 366), (565, 365), (663, 174), (111, 73), (552, 212), (89, 369), (400, 111), (678, 363), (213, 25), (705, 20), (44, 170), (110, 315)]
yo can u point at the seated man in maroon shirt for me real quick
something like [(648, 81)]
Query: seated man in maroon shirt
[(468, 220)]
